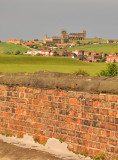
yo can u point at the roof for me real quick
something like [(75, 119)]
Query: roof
[(29, 43), (45, 51), (56, 37), (11, 40)]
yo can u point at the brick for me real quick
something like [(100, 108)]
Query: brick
[(63, 131), (71, 133), (112, 127), (103, 147), (104, 111), (116, 120), (103, 140), (113, 142), (86, 122), (50, 92), (112, 113), (95, 103), (110, 149), (113, 98)]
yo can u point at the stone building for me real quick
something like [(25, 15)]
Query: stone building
[(65, 35), (73, 36), (51, 40), (15, 41)]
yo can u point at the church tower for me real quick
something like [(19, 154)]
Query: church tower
[(84, 34)]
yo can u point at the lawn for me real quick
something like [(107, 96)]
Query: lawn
[(106, 48), (11, 48), (12, 63)]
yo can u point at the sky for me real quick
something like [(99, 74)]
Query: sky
[(30, 19)]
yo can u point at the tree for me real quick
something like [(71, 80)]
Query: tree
[(103, 59), (66, 40), (110, 71), (100, 56), (77, 42)]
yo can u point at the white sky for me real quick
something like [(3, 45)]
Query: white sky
[(29, 19)]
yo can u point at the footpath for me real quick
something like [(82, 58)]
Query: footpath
[(12, 148)]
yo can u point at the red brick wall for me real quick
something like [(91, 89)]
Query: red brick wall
[(83, 120)]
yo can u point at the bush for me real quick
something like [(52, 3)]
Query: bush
[(110, 71), (77, 42), (38, 54), (81, 72), (66, 40), (103, 59), (17, 52)]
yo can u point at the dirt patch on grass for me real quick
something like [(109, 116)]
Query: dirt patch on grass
[(55, 80)]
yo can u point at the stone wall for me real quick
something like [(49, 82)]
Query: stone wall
[(81, 119)]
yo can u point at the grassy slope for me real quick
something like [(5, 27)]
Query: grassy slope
[(106, 48), (92, 41), (10, 63), (10, 47)]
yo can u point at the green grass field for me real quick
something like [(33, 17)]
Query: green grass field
[(12, 48), (12, 63), (106, 48), (92, 41)]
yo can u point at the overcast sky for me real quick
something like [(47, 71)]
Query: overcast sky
[(29, 19)]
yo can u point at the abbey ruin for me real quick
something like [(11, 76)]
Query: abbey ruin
[(65, 35)]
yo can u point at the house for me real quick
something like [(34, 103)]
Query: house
[(45, 52), (29, 43), (97, 60), (15, 41), (53, 53), (110, 41), (86, 53), (90, 58), (79, 58), (112, 59), (77, 52), (68, 54), (33, 52)]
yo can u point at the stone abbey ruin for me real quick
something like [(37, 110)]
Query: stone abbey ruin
[(65, 35)]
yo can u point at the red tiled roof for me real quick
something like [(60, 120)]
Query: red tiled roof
[(29, 43), (11, 40)]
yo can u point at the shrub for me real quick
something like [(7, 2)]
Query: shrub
[(84, 153), (100, 157), (38, 54), (66, 40), (81, 72), (36, 139), (61, 140), (110, 71), (17, 52), (103, 59), (77, 42)]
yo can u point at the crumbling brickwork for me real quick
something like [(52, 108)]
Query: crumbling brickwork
[(83, 120)]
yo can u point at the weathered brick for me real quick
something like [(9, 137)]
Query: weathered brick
[(113, 142), (104, 111), (112, 113), (81, 119)]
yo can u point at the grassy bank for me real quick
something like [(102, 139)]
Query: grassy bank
[(11, 63), (106, 48), (11, 48)]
